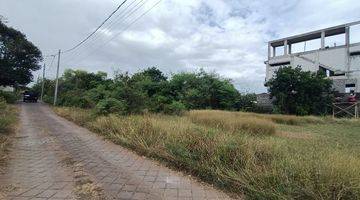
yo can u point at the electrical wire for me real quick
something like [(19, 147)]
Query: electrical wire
[(52, 61), (124, 16), (117, 34), (92, 33)]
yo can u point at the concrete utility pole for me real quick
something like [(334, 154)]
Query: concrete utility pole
[(43, 83), (57, 78)]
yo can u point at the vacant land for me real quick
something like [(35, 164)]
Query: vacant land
[(261, 156), (8, 115)]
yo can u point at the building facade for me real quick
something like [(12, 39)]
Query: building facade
[(340, 62)]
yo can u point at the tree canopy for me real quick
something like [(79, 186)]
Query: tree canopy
[(147, 90), (300, 92), (18, 57)]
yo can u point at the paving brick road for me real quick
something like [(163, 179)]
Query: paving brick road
[(53, 158)]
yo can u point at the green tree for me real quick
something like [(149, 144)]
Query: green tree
[(300, 92), (204, 90), (147, 90), (18, 57)]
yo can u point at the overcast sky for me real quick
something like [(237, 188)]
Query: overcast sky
[(228, 37)]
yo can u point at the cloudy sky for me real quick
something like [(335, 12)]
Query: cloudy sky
[(228, 37)]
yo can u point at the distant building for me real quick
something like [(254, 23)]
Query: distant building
[(341, 61), (7, 89), (263, 100)]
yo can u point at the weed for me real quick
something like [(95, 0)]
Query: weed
[(224, 148)]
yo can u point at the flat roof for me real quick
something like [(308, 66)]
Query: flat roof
[(335, 30)]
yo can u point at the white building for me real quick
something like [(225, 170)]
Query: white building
[(7, 89), (317, 50)]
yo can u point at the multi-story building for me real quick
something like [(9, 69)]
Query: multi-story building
[(317, 50)]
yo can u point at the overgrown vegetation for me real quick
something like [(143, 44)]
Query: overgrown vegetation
[(7, 123), (301, 92), (262, 156), (9, 97), (146, 91)]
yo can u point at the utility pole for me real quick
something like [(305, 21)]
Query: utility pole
[(43, 83), (57, 78)]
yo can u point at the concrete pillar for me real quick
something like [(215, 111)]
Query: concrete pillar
[(347, 36), (269, 51), (347, 43), (274, 51), (289, 48), (285, 47), (323, 40)]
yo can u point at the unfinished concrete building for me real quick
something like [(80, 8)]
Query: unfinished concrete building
[(335, 50)]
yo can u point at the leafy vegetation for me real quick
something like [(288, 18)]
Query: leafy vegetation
[(9, 97), (18, 57), (288, 157), (300, 92), (146, 91)]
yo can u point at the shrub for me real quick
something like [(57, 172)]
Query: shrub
[(110, 105), (175, 108), (48, 99), (10, 97), (75, 99)]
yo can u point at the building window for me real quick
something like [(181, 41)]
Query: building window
[(349, 87), (279, 64)]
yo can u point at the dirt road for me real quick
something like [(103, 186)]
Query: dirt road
[(53, 158)]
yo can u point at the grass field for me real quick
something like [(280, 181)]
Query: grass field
[(8, 118), (260, 156)]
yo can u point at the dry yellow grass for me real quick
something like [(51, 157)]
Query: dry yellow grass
[(8, 118), (221, 152), (232, 122)]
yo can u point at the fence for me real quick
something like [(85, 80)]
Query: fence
[(346, 109)]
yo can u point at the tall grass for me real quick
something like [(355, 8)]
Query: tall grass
[(232, 122), (217, 147), (7, 123)]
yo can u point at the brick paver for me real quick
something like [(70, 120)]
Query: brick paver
[(34, 170), (45, 156)]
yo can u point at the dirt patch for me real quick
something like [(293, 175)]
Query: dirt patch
[(85, 188), (294, 135), (68, 162)]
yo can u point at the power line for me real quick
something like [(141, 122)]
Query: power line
[(53, 56), (91, 34), (120, 17), (116, 35), (49, 55)]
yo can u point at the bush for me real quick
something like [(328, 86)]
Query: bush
[(9, 97), (110, 105), (48, 99), (175, 108)]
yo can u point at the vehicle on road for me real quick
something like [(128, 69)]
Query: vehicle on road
[(29, 96)]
